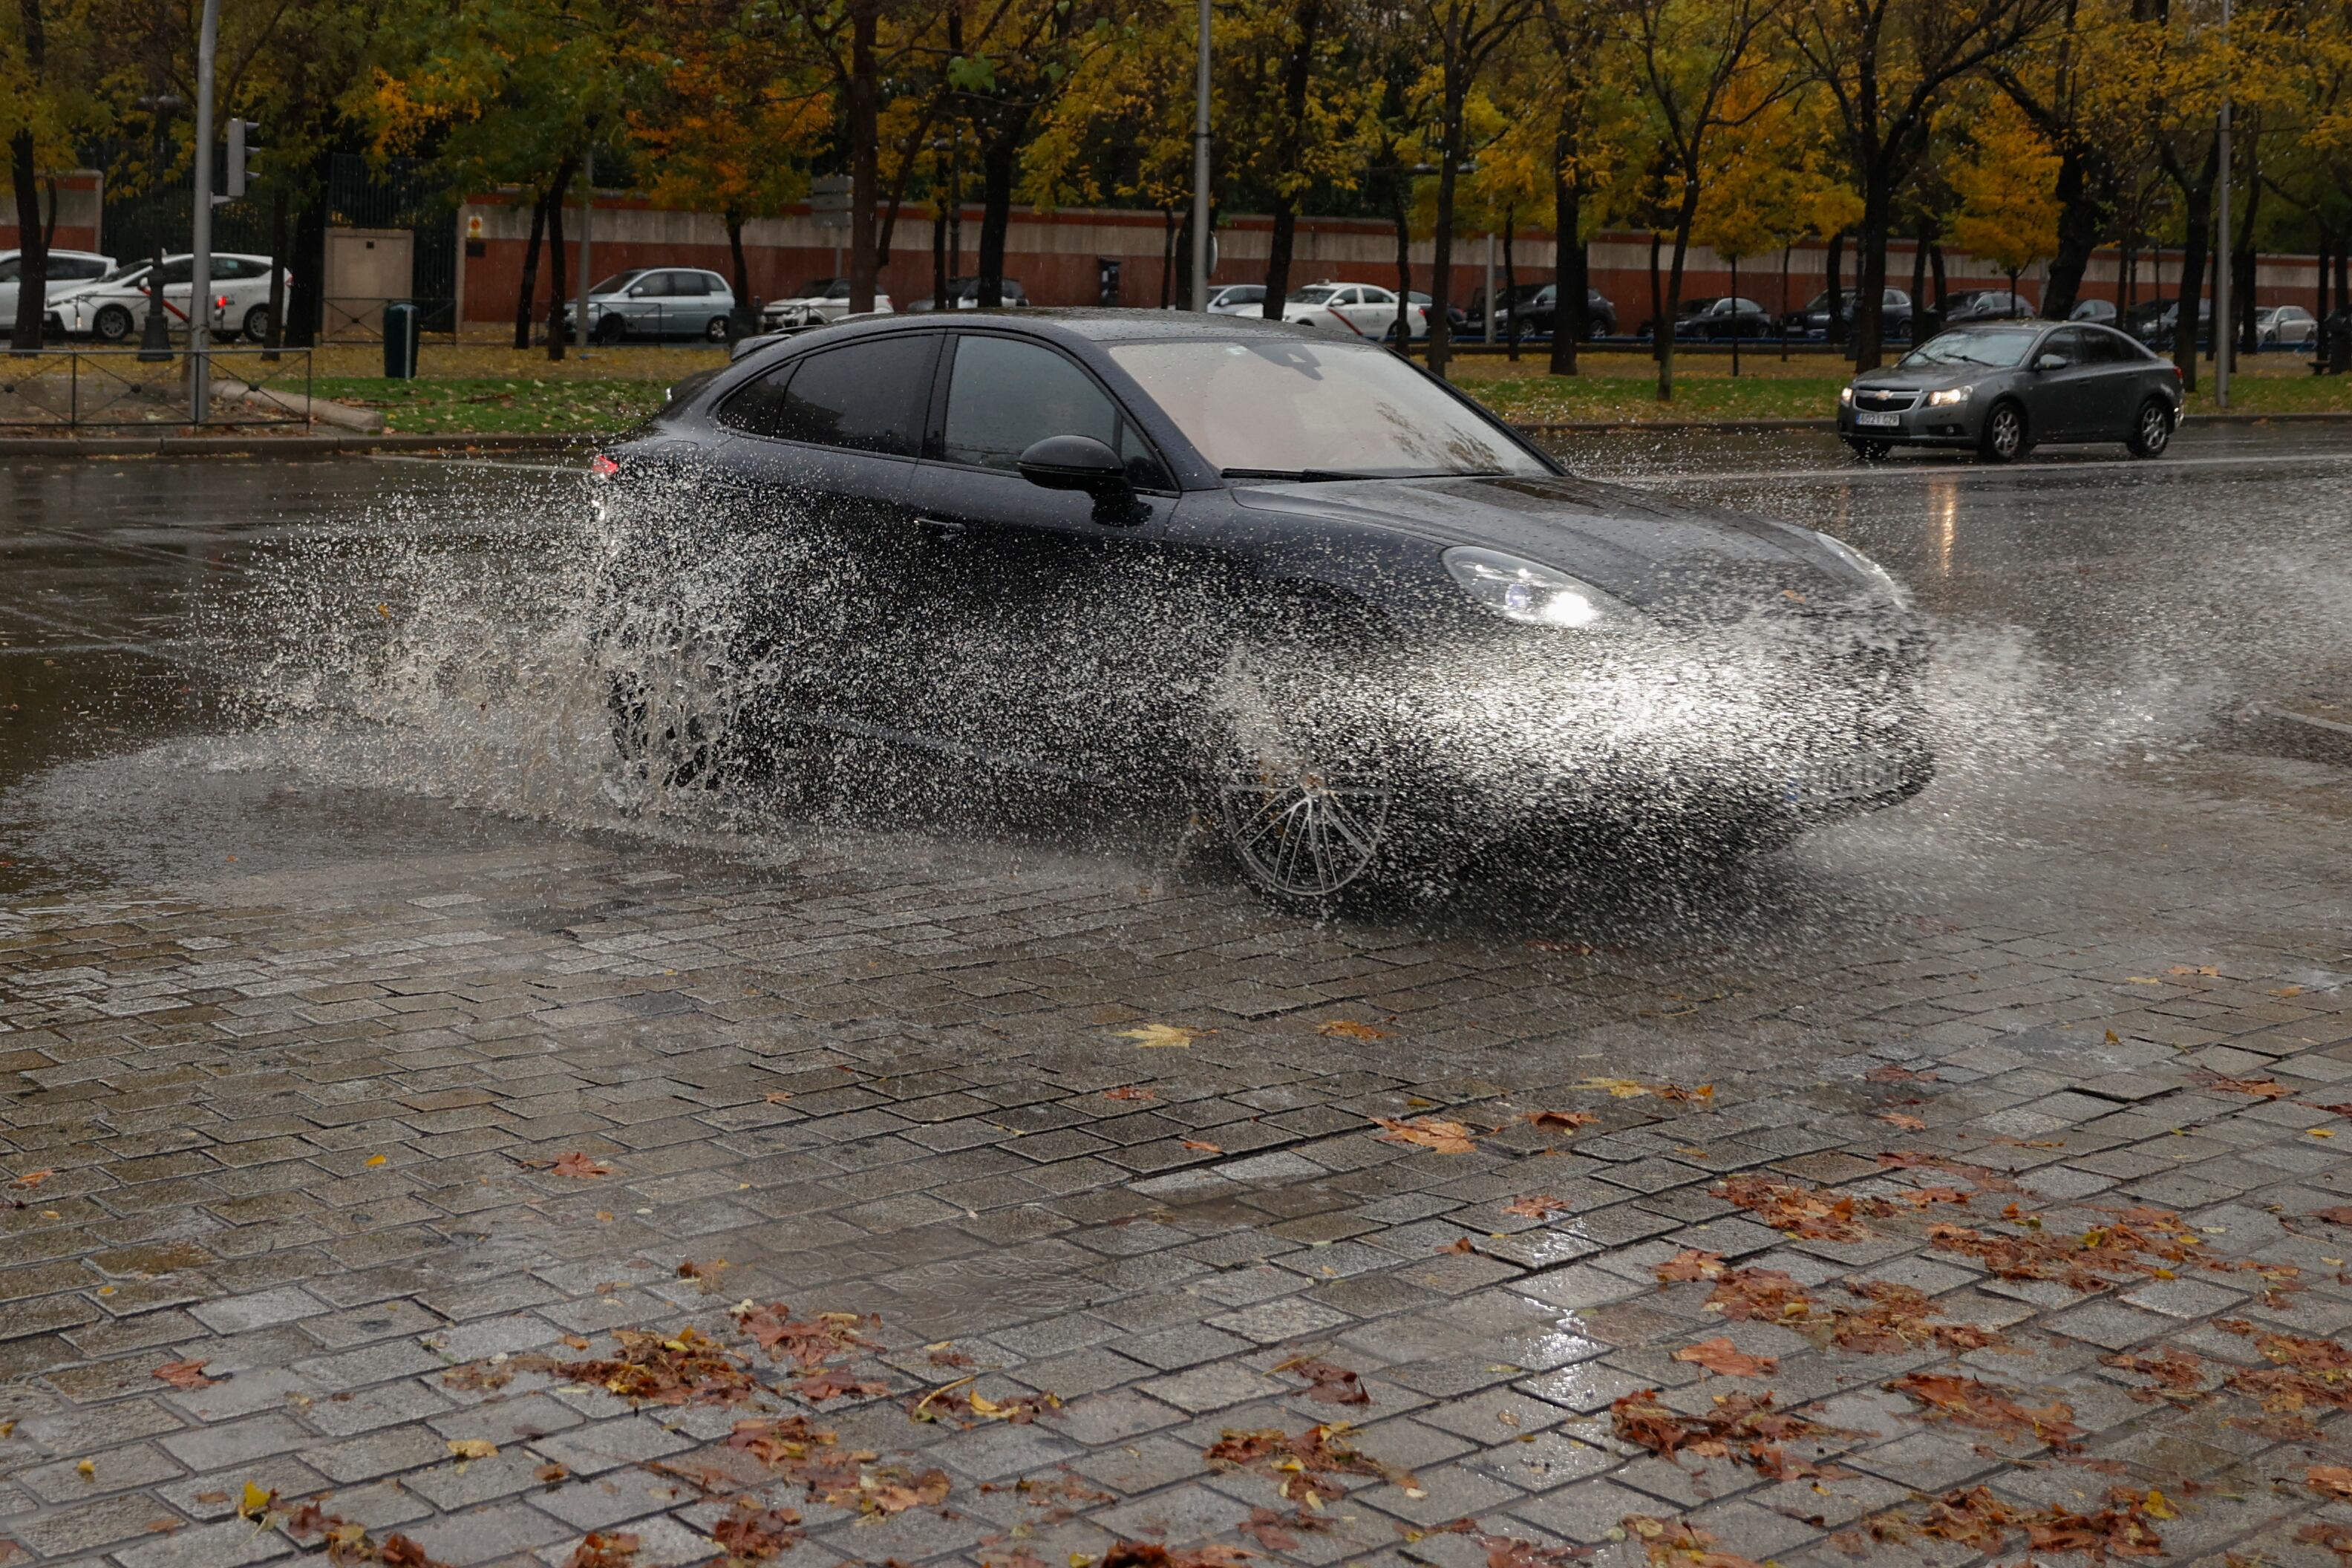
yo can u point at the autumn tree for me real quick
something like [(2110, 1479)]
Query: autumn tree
[(2007, 186), (48, 62), (1884, 65), (1459, 38)]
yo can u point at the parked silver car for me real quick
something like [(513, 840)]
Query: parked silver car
[(2285, 326), (657, 302), (2002, 387), (66, 269)]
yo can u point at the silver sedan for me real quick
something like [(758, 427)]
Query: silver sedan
[(2004, 387)]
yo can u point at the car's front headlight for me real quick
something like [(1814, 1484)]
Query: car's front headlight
[(1845, 397), (1534, 596), (1878, 575), (1949, 395)]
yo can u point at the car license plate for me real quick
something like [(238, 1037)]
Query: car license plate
[(1860, 777), (1867, 419)]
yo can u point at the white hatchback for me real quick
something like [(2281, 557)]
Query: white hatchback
[(113, 308)]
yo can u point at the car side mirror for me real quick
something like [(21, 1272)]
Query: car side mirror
[(2053, 362), (1074, 463)]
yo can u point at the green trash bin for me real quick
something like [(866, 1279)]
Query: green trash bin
[(401, 319)]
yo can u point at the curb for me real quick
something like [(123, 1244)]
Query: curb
[(2289, 732), (278, 446), (315, 445)]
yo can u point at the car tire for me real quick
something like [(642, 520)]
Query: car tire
[(611, 331), (714, 331), (1306, 815), (2005, 439), (2151, 429), (113, 323), (256, 325), (1868, 450), (678, 705)]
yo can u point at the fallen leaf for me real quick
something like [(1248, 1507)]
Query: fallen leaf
[(256, 1501), (2205, 969), (184, 1374), (87, 1468), (1690, 1264), (776, 1097), (1907, 1123), (582, 1165), (1973, 1402), (1561, 1121), (2330, 1480), (1202, 1145), (1327, 1384), (552, 1473), (1130, 1092), (1459, 1244), (375, 1159), (1891, 1074), (1720, 1356), (1348, 1029), (1157, 1037), (1537, 1206), (597, 1550), (2259, 1088), (472, 1447), (1427, 1133), (32, 1179)]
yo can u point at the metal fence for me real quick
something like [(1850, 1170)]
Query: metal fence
[(120, 389), (360, 319)]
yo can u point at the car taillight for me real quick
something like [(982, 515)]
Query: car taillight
[(603, 467)]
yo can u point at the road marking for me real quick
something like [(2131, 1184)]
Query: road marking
[(2286, 463)]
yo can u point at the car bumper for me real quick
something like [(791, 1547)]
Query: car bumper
[(1954, 425), (1784, 726)]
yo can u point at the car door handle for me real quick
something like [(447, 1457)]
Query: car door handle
[(941, 527)]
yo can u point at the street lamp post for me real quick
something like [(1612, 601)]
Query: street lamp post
[(1201, 170), (2225, 338), (200, 262)]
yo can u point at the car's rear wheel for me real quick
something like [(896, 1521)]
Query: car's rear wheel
[(2004, 439), (612, 330), (715, 330), (113, 323), (2151, 429), (1868, 450), (257, 324), (1307, 813)]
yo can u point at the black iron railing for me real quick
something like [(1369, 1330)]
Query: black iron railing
[(119, 389)]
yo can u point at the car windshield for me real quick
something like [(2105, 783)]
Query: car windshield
[(1995, 348), (616, 282), (1279, 407), (1313, 294), (123, 274)]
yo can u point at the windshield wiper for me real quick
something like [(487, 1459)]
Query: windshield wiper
[(1312, 475)]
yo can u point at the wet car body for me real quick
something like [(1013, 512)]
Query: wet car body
[(1274, 643), (2003, 387)]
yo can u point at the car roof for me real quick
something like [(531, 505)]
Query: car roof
[(1070, 325)]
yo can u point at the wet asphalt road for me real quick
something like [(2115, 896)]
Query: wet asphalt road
[(351, 1047), (2083, 602)]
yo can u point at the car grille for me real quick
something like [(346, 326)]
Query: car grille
[(1884, 402)]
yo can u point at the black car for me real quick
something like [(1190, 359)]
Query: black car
[(963, 294), (1987, 305), (1365, 628), (1895, 316), (2004, 386), (1719, 319), (1537, 308)]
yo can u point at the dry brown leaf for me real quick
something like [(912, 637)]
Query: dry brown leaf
[(1720, 1356), (32, 1179), (1348, 1029), (2205, 969), (1160, 1036), (1973, 1402), (2329, 1481), (1427, 1133), (184, 1374), (598, 1550), (776, 1095), (472, 1447), (1328, 1383), (2258, 1088), (1459, 1244), (1898, 1120), (1560, 1120), (1202, 1145), (581, 1165), (1538, 1205), (1891, 1074), (1690, 1264), (1130, 1091)]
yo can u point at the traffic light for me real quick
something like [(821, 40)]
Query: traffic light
[(240, 149)]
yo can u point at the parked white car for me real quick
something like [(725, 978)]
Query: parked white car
[(657, 302), (1238, 299), (66, 269), (824, 299), (1361, 310), (111, 308)]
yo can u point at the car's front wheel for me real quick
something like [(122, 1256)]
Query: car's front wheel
[(612, 330), (2004, 439), (1307, 813), (113, 323), (2151, 429), (257, 324), (1867, 449)]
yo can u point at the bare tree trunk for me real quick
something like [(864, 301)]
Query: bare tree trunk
[(865, 150), (1510, 284), (2082, 216), (998, 156), (1684, 215), (33, 268), (1167, 261), (735, 254), (1870, 270), (2197, 204), (275, 337), (1657, 299), (1402, 218), (555, 269), (528, 294), (1440, 271), (1295, 73), (1834, 332)]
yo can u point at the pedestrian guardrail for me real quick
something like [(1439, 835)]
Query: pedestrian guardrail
[(358, 319), (116, 389)]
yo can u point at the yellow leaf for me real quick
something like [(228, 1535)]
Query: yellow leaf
[(1621, 1088), (257, 1502), (2157, 1506), (1151, 1036), (88, 1468), (472, 1447), (2319, 1133), (375, 1159)]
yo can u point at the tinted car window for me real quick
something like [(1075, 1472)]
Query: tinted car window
[(179, 271), (1004, 395), (862, 396), (9, 270)]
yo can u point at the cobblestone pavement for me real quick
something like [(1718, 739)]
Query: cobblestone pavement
[(1896, 1205)]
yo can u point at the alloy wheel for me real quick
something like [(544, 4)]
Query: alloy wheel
[(1302, 834), (2153, 433), (2004, 438)]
